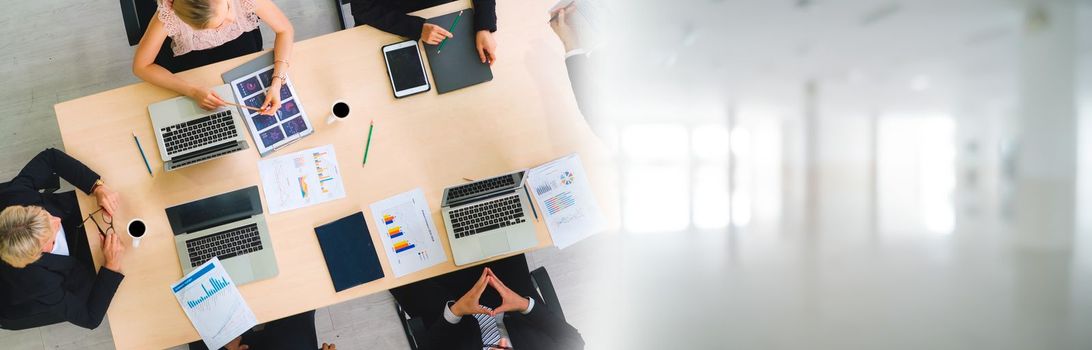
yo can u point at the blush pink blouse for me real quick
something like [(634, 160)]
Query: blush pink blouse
[(185, 39)]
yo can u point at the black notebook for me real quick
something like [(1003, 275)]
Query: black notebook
[(349, 252), (458, 64)]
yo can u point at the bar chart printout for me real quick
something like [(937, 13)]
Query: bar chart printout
[(213, 304), (409, 236)]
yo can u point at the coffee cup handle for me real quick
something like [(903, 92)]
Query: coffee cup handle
[(136, 242), (331, 119)]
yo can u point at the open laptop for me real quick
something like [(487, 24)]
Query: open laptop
[(188, 134), (229, 226), (487, 218)]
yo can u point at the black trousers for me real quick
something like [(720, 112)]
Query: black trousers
[(247, 43), (426, 299)]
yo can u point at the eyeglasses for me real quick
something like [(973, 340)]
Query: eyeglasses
[(109, 220)]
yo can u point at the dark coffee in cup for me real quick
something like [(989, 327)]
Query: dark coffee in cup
[(137, 229), (341, 109)]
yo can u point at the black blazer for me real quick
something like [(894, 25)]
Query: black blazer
[(55, 288), (539, 329), (390, 15)]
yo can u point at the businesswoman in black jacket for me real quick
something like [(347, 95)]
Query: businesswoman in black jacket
[(46, 271), (390, 16)]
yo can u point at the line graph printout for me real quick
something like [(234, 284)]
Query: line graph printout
[(213, 304), (408, 233), (301, 179), (568, 205)]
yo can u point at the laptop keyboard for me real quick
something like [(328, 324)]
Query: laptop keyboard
[(199, 132), (486, 216), (225, 245), (480, 187)]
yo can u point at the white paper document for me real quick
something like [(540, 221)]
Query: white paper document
[(408, 233), (301, 179), (213, 304), (565, 200)]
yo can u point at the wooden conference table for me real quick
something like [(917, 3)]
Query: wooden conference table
[(524, 117)]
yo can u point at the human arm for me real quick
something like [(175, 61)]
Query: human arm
[(282, 51), (386, 17), (145, 68), (540, 318), (485, 23), (87, 308)]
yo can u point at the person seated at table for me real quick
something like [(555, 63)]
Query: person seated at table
[(290, 333), (576, 62), (464, 323), (390, 16), (47, 274), (202, 32)]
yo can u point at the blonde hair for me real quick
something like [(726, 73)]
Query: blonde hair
[(196, 13), (21, 232)]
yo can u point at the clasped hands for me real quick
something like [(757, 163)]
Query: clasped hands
[(468, 304)]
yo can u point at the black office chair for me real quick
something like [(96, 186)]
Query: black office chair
[(414, 327), (136, 14)]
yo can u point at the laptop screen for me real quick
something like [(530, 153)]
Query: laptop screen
[(214, 211)]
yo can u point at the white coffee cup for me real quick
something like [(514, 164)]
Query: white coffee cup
[(137, 229), (338, 111)]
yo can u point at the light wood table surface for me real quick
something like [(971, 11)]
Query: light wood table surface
[(524, 117)]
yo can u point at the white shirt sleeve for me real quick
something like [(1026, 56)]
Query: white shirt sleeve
[(530, 305), (575, 52), (450, 316)]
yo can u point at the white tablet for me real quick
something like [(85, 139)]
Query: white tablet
[(406, 69)]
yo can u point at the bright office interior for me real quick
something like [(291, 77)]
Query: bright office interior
[(840, 175), (851, 174)]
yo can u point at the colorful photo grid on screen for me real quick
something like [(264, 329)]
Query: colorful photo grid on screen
[(287, 123)]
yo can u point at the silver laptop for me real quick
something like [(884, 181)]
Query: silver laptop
[(188, 134), (229, 226), (487, 218)]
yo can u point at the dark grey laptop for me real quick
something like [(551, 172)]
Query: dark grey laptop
[(229, 226), (458, 65)]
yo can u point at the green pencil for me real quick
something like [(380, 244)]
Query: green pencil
[(371, 126), (452, 29)]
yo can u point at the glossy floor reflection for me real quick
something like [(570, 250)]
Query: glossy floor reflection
[(784, 290)]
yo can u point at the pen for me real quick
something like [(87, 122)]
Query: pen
[(452, 29), (142, 156), (245, 106), (368, 145), (533, 211)]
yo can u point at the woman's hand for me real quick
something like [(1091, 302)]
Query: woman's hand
[(563, 30), (487, 47), (108, 199), (112, 251), (207, 98), (433, 34), (272, 98), (468, 304)]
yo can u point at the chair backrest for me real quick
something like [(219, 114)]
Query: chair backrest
[(344, 14), (546, 289), (136, 14)]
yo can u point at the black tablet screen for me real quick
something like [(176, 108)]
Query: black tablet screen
[(405, 68)]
